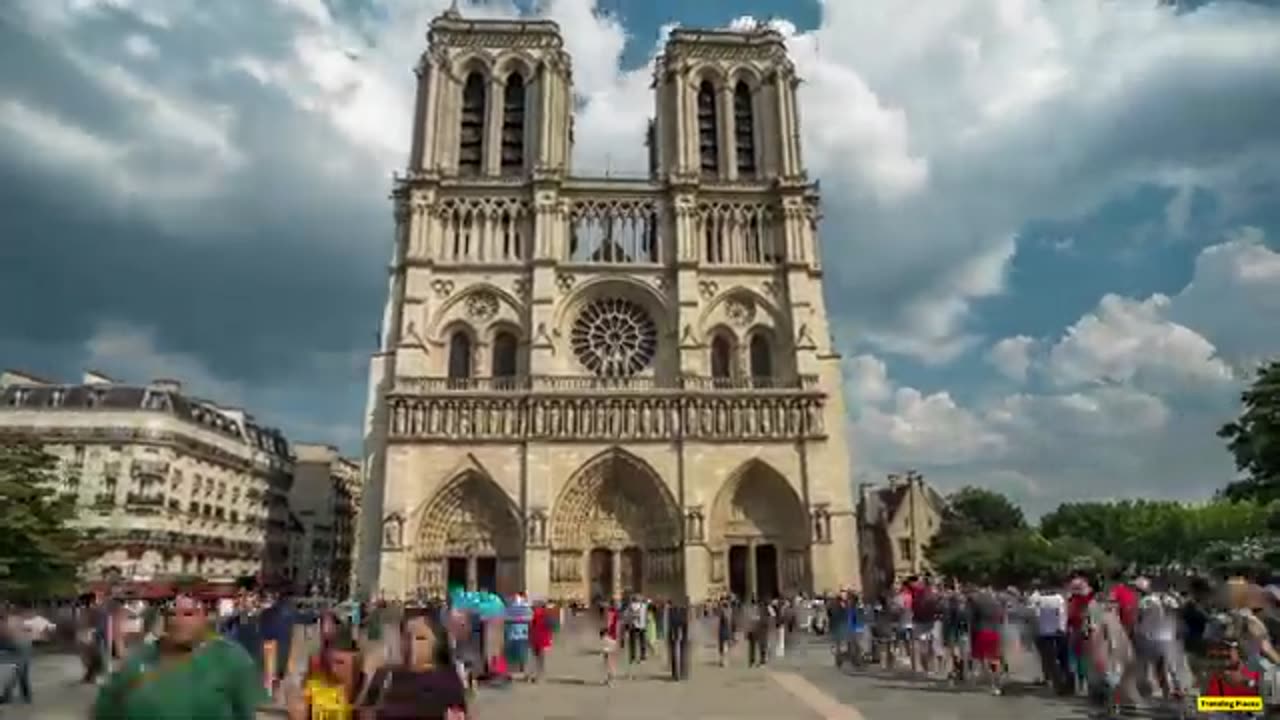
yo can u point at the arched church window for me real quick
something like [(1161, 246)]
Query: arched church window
[(744, 130), (471, 135), (513, 125), (459, 356), (721, 360), (761, 352), (504, 365), (708, 129)]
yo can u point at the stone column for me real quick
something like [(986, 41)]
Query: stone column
[(724, 132), (472, 575), (752, 569), (617, 571)]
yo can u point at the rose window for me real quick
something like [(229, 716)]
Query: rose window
[(613, 337)]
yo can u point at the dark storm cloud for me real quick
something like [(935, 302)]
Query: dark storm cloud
[(273, 279)]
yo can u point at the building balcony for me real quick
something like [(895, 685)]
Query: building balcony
[(150, 468), (592, 384), (146, 500)]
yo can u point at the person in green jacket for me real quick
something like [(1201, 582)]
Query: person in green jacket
[(189, 673)]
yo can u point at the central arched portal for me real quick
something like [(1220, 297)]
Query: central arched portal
[(760, 536), (469, 538), (615, 530)]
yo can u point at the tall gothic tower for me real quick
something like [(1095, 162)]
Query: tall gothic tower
[(590, 386)]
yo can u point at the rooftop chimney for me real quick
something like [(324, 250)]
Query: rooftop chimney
[(166, 385), (93, 377)]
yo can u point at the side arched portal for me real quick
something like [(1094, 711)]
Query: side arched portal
[(615, 529), (469, 536), (759, 535)]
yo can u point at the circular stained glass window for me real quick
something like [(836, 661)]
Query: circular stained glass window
[(613, 337)]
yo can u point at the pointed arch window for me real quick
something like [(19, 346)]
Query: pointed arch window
[(459, 357), (513, 114), (761, 352), (744, 137), (504, 361), (471, 132), (708, 129), (721, 360)]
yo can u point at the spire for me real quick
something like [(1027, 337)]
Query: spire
[(453, 12)]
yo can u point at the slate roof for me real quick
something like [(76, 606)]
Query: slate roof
[(54, 397)]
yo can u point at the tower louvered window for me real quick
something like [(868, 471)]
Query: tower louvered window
[(513, 125), (471, 135), (708, 130), (744, 130)]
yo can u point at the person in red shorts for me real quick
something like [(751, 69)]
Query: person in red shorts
[(988, 617)]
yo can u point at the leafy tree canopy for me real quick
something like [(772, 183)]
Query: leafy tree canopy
[(1149, 533), (1254, 439), (39, 548), (1017, 558), (974, 511)]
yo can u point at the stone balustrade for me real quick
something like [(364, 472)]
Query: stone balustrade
[(773, 415)]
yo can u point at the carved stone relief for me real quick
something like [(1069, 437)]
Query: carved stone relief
[(443, 288), (740, 311), (482, 305), (392, 532)]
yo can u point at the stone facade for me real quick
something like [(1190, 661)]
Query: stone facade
[(897, 521), (588, 386), (170, 485), (324, 499)]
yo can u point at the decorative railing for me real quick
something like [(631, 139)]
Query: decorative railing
[(738, 418), (615, 222), (150, 468), (578, 384)]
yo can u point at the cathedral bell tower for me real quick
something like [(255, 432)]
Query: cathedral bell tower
[(594, 386)]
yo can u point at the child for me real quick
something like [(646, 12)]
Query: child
[(609, 643)]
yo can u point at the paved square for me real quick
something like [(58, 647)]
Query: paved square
[(803, 685)]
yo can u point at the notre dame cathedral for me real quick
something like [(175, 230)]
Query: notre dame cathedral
[(591, 386)]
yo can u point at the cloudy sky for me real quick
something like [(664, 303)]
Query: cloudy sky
[(1051, 226)]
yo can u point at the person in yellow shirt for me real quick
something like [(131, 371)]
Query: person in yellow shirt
[(331, 690)]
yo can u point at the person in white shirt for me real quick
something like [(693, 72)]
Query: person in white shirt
[(1155, 641), (1050, 609)]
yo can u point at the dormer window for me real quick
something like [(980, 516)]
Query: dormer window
[(19, 397)]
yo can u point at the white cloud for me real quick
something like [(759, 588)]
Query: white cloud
[(1012, 356), (1126, 337), (124, 351), (140, 46), (1130, 407), (866, 381), (1235, 297), (938, 130)]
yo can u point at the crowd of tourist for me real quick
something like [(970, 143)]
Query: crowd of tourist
[(1119, 643)]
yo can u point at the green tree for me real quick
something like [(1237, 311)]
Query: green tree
[(39, 548), (1254, 439), (974, 511), (1152, 534), (1017, 558)]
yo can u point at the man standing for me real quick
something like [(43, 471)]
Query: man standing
[(190, 672), (1050, 608), (637, 626), (678, 639)]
